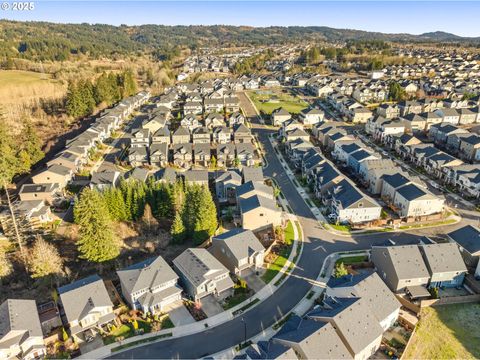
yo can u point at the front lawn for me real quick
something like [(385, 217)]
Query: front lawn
[(446, 332), (125, 331), (277, 265), (349, 260)]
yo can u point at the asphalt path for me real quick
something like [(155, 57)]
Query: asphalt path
[(317, 246)]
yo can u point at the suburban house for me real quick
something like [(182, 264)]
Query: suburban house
[(86, 304), (21, 334), (202, 274), (279, 116), (257, 210), (241, 134), (368, 286), (202, 154), (55, 174), (226, 184), (401, 267), (181, 136), (138, 155), (68, 159), (306, 339), (354, 323), (350, 205), (445, 264), (225, 155), (150, 285), (35, 211), (46, 192), (311, 116), (105, 179), (201, 135), (238, 250), (411, 200), (159, 154), (195, 177), (468, 240), (252, 173), (183, 155), (245, 153)]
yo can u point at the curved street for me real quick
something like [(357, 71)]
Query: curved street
[(318, 244)]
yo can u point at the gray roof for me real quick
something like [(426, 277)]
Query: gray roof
[(411, 192), (354, 320), (181, 131), (315, 339), (372, 290), (196, 175), (198, 265), (406, 260), (251, 173), (257, 201), (146, 275), (444, 257), (18, 315), (81, 296), (468, 237), (108, 177), (138, 174), (167, 174), (395, 180), (242, 243), (229, 175), (251, 188)]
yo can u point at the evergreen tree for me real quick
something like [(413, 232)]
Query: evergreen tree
[(10, 164), (31, 145), (116, 204), (103, 90), (44, 260), (87, 95), (206, 216), (74, 104), (98, 241), (213, 162), (178, 229)]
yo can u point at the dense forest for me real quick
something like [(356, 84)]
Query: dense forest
[(57, 42)]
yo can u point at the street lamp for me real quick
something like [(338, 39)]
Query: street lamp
[(244, 331)]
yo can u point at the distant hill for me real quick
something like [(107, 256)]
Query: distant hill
[(49, 41)]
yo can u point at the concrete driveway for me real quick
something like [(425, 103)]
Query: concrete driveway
[(253, 280), (179, 314), (86, 347), (211, 306)]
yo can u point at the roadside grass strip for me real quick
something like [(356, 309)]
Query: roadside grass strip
[(141, 341)]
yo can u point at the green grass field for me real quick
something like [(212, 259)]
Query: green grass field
[(290, 103), (21, 78), (446, 332)]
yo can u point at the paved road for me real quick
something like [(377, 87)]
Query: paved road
[(318, 244)]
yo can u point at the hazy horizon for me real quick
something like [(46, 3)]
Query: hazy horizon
[(374, 16)]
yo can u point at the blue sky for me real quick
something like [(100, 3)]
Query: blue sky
[(460, 18)]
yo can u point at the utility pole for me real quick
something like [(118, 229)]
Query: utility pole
[(15, 227), (244, 331)]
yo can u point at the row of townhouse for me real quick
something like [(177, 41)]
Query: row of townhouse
[(411, 200), (345, 202), (349, 108), (451, 170), (184, 148), (413, 269), (348, 324), (47, 188)]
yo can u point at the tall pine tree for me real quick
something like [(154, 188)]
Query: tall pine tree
[(98, 241)]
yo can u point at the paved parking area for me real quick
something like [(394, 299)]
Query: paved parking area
[(211, 306), (253, 280), (179, 314)]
